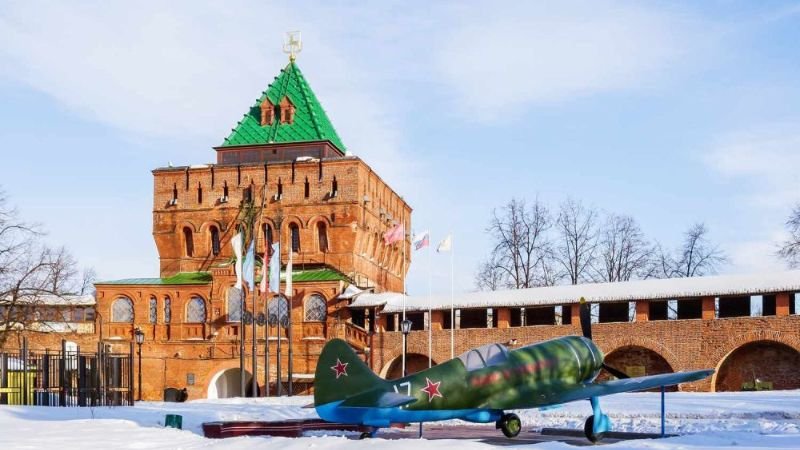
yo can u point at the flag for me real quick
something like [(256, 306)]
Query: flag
[(445, 245), (275, 269), (264, 268), (248, 267), (394, 234), (421, 240), (288, 290), (236, 243)]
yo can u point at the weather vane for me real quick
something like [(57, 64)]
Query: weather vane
[(292, 44)]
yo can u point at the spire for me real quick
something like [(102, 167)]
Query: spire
[(287, 112)]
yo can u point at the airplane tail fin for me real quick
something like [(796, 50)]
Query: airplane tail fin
[(341, 374)]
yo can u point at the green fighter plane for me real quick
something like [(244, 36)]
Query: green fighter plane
[(478, 386)]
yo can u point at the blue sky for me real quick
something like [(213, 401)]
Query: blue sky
[(671, 112)]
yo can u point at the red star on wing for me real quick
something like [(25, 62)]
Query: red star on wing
[(432, 389), (340, 368)]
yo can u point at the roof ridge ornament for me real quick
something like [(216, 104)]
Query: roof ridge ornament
[(292, 44)]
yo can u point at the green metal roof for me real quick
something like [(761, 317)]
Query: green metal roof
[(310, 121), (181, 278), (184, 278)]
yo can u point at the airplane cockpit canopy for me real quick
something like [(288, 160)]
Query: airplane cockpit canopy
[(484, 356)]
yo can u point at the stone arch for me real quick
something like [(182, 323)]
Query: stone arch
[(720, 352), (636, 361), (195, 309), (656, 347), (226, 384), (187, 224), (415, 362), (766, 360), (122, 310), (310, 307)]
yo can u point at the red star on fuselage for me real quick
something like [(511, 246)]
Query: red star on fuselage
[(340, 368), (432, 389)]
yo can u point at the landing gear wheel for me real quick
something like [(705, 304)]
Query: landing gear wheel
[(510, 425), (365, 435), (588, 430)]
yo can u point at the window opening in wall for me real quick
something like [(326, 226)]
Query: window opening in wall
[(122, 310), (247, 196), (322, 236), (174, 200), (234, 304), (295, 235), (224, 198), (188, 242), (167, 310), (316, 309), (279, 195), (215, 247), (306, 189), (153, 310), (334, 187), (196, 310), (266, 230)]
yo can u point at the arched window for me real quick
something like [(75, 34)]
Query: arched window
[(234, 304), (322, 236), (122, 310), (278, 310), (295, 235), (153, 312), (214, 240), (167, 310), (196, 310), (188, 241), (266, 230), (316, 308)]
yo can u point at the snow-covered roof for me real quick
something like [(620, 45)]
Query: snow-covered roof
[(350, 291), (654, 289), (55, 300)]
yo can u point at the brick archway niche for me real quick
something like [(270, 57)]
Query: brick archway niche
[(636, 361), (415, 362), (771, 362), (226, 384)]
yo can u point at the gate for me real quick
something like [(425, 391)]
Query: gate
[(67, 377)]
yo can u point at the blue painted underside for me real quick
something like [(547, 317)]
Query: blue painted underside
[(383, 417)]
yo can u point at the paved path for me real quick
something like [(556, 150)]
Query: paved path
[(485, 434)]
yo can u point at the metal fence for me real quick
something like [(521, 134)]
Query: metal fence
[(66, 377)]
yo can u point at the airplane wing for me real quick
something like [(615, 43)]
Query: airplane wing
[(589, 390), (377, 399)]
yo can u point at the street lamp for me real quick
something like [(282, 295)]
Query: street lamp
[(138, 335), (405, 327)]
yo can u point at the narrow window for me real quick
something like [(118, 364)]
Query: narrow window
[(248, 195), (267, 232), (279, 195), (214, 241), (225, 192), (306, 188), (174, 200), (199, 194), (322, 236), (188, 241), (153, 312), (234, 304), (167, 310), (334, 187), (295, 230)]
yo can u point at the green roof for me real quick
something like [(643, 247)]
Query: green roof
[(310, 121), (181, 278), (185, 278)]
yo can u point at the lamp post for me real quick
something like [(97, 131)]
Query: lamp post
[(138, 335), (405, 327)]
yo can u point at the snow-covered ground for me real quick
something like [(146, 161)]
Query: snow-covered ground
[(741, 420)]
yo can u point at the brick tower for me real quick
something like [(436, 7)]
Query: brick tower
[(329, 208)]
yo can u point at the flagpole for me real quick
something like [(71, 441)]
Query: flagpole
[(452, 309), (254, 349), (404, 292), (430, 317)]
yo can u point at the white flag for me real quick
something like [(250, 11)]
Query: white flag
[(445, 245), (236, 243), (288, 290)]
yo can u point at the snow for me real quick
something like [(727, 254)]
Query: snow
[(654, 289), (704, 420)]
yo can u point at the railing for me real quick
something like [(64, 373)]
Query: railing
[(193, 331), (66, 377), (356, 336), (314, 329)]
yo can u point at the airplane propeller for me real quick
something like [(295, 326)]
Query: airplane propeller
[(586, 328)]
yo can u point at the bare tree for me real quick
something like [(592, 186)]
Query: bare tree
[(790, 249), (577, 237), (697, 256), (29, 272), (623, 251), (522, 255)]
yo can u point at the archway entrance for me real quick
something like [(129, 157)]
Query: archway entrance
[(759, 365), (226, 384), (636, 361), (414, 363)]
